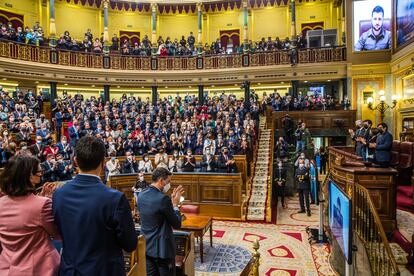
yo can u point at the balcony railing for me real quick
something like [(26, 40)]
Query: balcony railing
[(203, 62)]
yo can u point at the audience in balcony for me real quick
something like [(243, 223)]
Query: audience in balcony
[(165, 47)]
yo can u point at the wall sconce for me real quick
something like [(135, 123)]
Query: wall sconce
[(382, 106)]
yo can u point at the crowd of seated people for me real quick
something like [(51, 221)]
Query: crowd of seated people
[(305, 103), (174, 131)]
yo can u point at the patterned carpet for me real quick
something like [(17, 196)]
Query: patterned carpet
[(284, 248), (405, 222)]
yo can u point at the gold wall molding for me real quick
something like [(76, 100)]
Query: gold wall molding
[(25, 70)]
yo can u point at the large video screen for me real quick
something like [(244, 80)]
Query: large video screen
[(340, 219), (405, 21), (372, 25)]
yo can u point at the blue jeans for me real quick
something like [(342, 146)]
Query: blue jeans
[(300, 145)]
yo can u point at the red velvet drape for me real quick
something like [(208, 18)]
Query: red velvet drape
[(129, 35), (226, 35), (311, 26), (16, 19)]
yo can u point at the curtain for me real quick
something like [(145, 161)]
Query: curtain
[(227, 36), (132, 36)]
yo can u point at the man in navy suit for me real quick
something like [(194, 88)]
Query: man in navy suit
[(74, 133), (159, 215), (94, 220), (382, 146)]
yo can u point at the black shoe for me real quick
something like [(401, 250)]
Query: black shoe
[(308, 213), (301, 212)]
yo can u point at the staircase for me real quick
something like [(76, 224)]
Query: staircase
[(260, 189)]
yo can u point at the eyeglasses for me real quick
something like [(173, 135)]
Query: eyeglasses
[(39, 172)]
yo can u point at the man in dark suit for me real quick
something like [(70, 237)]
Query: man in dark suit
[(302, 177), (38, 148), (94, 220), (226, 162), (279, 184), (382, 146), (74, 133), (130, 165), (159, 215), (48, 169)]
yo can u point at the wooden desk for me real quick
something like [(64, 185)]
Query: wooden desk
[(217, 194), (348, 169), (199, 225)]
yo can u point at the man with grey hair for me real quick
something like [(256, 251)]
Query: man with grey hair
[(356, 136)]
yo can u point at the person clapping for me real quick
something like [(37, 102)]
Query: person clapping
[(189, 162)]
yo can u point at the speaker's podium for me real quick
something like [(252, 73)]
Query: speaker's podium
[(348, 169), (184, 258)]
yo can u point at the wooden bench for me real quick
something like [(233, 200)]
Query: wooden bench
[(217, 194), (241, 163)]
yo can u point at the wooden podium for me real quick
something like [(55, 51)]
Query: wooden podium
[(348, 169)]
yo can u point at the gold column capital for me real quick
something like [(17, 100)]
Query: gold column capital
[(245, 3), (105, 4), (199, 6), (154, 7)]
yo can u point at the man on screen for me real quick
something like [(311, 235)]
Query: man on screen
[(377, 37)]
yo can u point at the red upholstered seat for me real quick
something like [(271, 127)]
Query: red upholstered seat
[(406, 155), (405, 164), (395, 153), (190, 209)]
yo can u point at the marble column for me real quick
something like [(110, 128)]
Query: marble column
[(293, 20), (105, 30), (154, 94), (52, 25), (106, 93), (154, 7), (200, 25), (201, 94), (246, 86), (53, 91), (245, 24), (294, 89)]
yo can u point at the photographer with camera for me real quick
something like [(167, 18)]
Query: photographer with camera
[(303, 137)]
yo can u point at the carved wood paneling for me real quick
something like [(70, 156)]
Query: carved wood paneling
[(219, 194), (380, 183)]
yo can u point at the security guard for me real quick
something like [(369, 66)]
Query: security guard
[(279, 184), (302, 177)]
